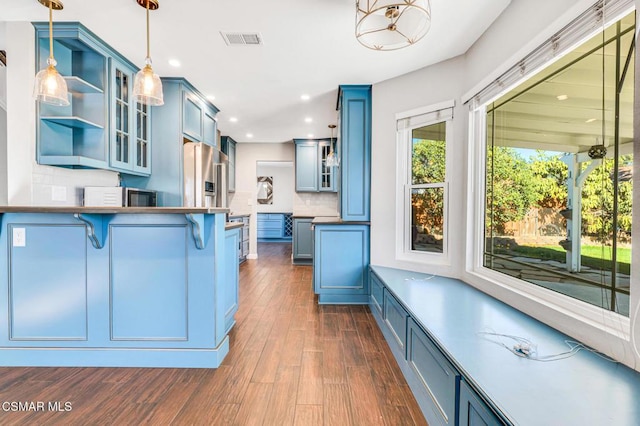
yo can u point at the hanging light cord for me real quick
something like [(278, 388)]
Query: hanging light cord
[(50, 30), (148, 43)]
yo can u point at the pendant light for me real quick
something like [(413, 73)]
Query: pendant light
[(332, 159), (50, 87), (391, 24), (147, 86)]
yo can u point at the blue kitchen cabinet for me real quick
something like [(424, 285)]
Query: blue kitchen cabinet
[(199, 122), (354, 106), (172, 126), (312, 172), (74, 135), (230, 287), (302, 240), (271, 226), (130, 136), (396, 318), (228, 146), (473, 411), (102, 127), (340, 262)]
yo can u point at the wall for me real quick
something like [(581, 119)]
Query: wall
[(3, 120), (27, 182), (428, 86), (283, 186)]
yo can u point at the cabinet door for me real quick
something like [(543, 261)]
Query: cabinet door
[(192, 118), (230, 289), (122, 132), (142, 149), (232, 166), (473, 411), (302, 239), (307, 167), (209, 128), (325, 177)]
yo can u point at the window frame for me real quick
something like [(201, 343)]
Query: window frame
[(418, 118)]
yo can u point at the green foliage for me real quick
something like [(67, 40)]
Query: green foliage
[(550, 175), (428, 161), (428, 166), (511, 190)]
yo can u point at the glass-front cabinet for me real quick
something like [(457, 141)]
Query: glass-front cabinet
[(130, 123), (312, 172)]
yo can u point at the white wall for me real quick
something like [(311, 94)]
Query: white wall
[(283, 186), (428, 86), (29, 183)]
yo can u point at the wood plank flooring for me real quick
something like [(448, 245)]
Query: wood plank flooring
[(292, 362)]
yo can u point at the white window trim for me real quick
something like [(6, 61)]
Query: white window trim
[(517, 292), (403, 250)]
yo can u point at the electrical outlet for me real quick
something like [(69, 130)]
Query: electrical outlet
[(19, 237)]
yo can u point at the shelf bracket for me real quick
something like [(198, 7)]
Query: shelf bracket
[(95, 228), (197, 227)]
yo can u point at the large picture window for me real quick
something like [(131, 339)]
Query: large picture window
[(559, 168)]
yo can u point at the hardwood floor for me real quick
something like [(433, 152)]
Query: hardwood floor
[(292, 362)]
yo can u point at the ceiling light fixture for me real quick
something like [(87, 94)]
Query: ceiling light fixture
[(310, 135), (562, 97), (233, 119), (249, 135), (50, 87), (305, 97), (391, 24), (147, 87), (591, 120), (332, 159), (308, 120), (174, 63)]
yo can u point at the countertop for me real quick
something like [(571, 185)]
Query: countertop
[(335, 220), (237, 215), (111, 210), (233, 225)]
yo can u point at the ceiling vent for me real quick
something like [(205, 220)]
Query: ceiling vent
[(242, 39)]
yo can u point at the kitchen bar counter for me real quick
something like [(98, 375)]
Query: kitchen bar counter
[(120, 287), (335, 220)]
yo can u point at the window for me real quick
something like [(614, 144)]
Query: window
[(558, 173), (422, 138)]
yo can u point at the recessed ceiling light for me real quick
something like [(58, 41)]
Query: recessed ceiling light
[(233, 119), (174, 63), (211, 97), (308, 120), (591, 120), (562, 97), (249, 135), (305, 97), (310, 135)]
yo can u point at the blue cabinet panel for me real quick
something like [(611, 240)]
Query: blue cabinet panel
[(302, 239), (340, 261), (209, 126), (436, 374), (192, 120), (48, 282), (306, 167), (473, 411), (231, 296), (149, 282), (355, 152), (396, 318), (377, 293)]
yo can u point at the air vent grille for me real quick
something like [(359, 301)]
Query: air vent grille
[(242, 39)]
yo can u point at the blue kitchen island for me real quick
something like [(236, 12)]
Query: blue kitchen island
[(116, 287)]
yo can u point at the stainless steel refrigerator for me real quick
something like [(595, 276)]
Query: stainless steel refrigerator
[(205, 176)]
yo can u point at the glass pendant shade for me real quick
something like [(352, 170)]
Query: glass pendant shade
[(147, 87), (50, 87), (391, 24), (332, 158)]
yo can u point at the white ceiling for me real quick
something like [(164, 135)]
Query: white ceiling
[(309, 48)]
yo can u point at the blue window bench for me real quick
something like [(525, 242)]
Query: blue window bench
[(116, 287), (434, 327)]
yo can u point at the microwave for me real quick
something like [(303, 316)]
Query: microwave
[(116, 196)]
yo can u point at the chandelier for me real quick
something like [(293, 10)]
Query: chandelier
[(391, 24)]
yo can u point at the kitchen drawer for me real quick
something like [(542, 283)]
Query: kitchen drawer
[(473, 411), (245, 248), (270, 224), (269, 233), (396, 318), (436, 374)]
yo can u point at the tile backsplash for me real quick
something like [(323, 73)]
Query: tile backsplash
[(57, 186)]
